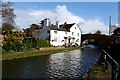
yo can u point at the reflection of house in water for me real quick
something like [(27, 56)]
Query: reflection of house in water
[(59, 35)]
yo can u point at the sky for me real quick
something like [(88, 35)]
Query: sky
[(61, 0), (90, 16)]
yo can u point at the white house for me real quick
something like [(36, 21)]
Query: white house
[(59, 35), (65, 34)]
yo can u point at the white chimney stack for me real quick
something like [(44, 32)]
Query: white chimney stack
[(57, 24), (46, 22)]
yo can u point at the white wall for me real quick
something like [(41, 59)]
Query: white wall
[(56, 38), (76, 31)]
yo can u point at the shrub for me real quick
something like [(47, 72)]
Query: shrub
[(27, 43), (7, 46), (13, 47), (42, 43)]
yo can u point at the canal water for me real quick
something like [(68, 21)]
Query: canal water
[(71, 65)]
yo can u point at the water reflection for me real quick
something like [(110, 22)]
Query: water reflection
[(64, 64), (71, 65)]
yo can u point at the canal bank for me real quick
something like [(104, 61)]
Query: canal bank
[(26, 54), (99, 71)]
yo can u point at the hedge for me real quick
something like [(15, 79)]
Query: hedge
[(42, 43), (27, 42), (37, 43)]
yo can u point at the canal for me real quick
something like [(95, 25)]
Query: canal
[(72, 65)]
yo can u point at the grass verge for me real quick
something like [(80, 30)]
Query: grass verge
[(16, 55)]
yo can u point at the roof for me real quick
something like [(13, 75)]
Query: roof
[(63, 27), (59, 29), (67, 26), (35, 26)]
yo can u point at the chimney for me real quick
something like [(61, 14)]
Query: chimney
[(46, 22), (57, 24)]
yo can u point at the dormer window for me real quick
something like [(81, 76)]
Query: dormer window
[(55, 32)]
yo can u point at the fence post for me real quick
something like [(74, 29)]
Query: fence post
[(115, 66)]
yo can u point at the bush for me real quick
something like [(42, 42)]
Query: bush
[(7, 46), (13, 47), (42, 43), (27, 43), (37, 43), (19, 47)]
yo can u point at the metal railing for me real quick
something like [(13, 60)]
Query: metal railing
[(114, 65)]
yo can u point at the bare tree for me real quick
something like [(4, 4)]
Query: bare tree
[(8, 16)]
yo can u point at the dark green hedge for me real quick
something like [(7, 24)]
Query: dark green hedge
[(14, 47), (27, 42), (42, 43), (37, 43)]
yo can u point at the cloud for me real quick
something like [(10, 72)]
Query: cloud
[(91, 26), (26, 17), (61, 14)]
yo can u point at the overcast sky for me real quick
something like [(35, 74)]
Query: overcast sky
[(91, 16)]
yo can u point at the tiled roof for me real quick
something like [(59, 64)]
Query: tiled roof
[(64, 27), (59, 29), (67, 26)]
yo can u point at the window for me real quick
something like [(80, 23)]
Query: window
[(75, 27), (52, 40), (55, 39), (62, 41), (78, 34), (55, 32), (77, 40), (66, 33), (48, 31), (72, 33)]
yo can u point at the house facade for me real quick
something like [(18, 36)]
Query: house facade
[(59, 35), (65, 37)]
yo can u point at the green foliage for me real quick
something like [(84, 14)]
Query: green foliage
[(42, 43), (13, 41), (14, 46), (7, 27), (36, 43), (7, 46), (14, 37), (27, 42)]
